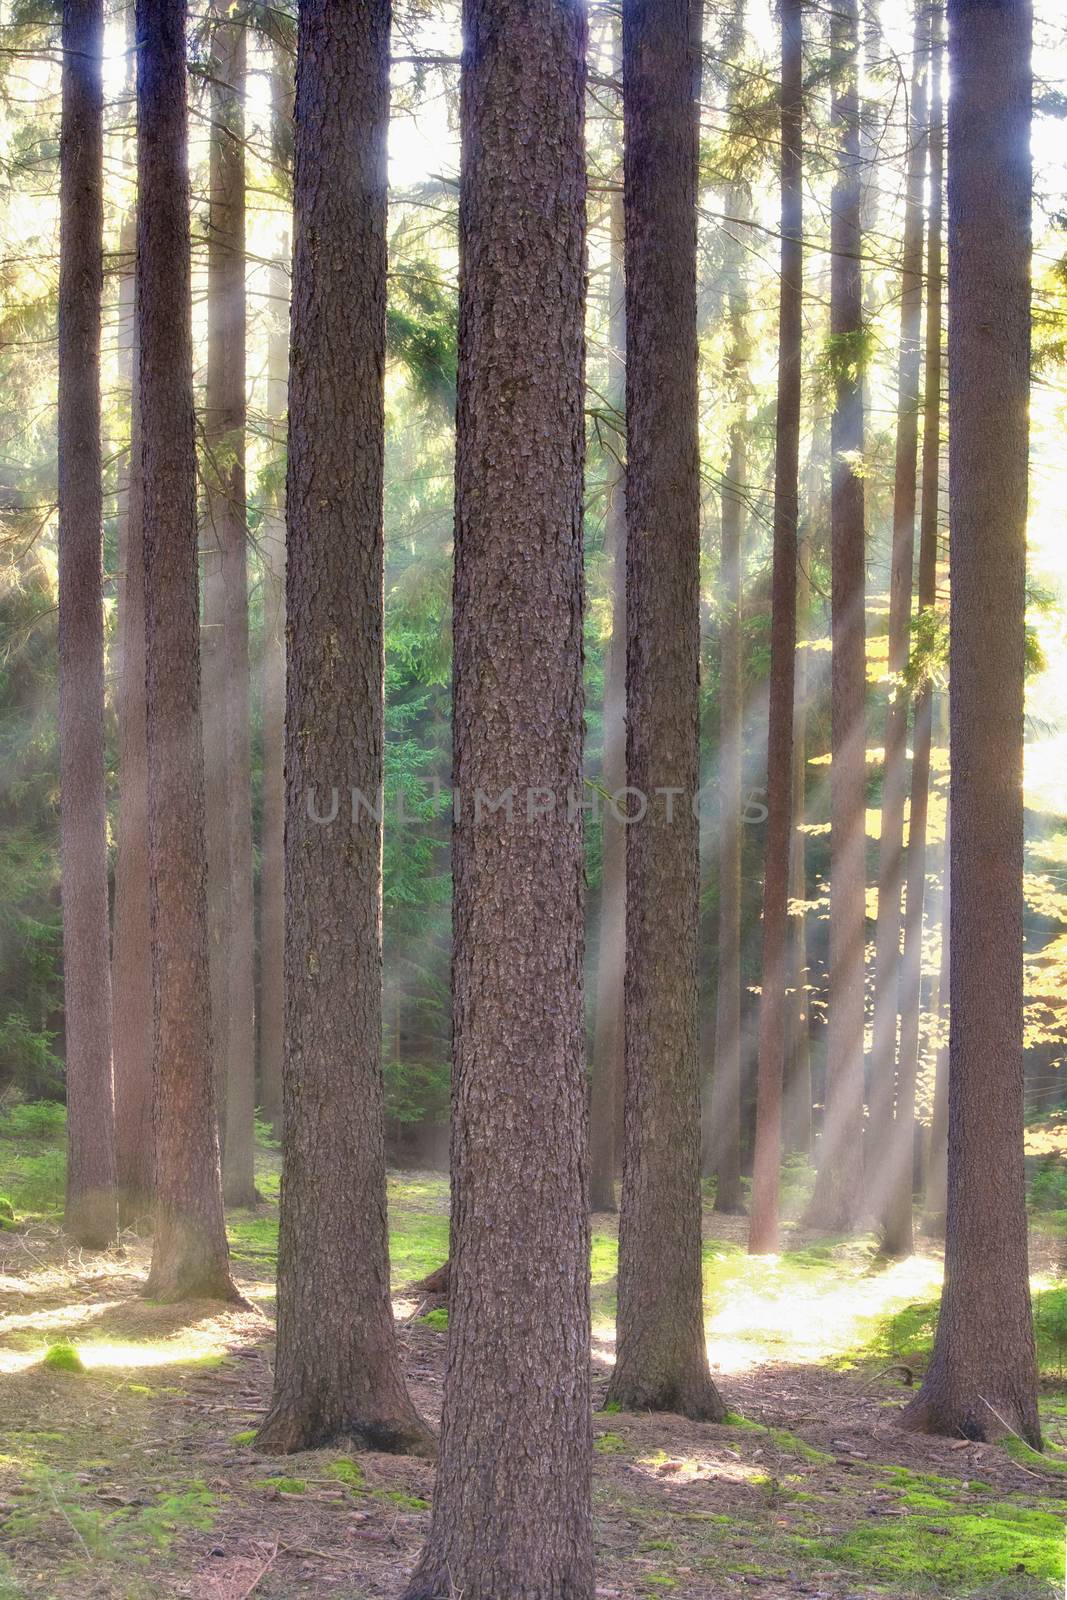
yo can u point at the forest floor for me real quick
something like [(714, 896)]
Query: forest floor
[(127, 1468)]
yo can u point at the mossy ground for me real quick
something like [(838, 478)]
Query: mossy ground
[(139, 1475)]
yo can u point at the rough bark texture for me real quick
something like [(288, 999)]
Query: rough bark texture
[(189, 1255), (899, 1236), (91, 1215), (982, 1379), (837, 1202), (131, 945), (767, 1159), (224, 445), (608, 1077), (662, 1361), (721, 1119), (892, 1126), (337, 1370), (511, 1512)]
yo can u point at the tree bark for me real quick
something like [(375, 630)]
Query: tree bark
[(837, 1202), (982, 1379), (189, 1254), (131, 946), (797, 1108), (936, 1196), (767, 1160), (337, 1369), (224, 442), (91, 1215), (899, 1236), (891, 1127), (608, 1077), (662, 1361), (511, 1513)]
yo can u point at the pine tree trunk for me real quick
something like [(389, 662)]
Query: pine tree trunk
[(91, 1214), (337, 1369), (131, 959), (662, 1361), (891, 1131), (511, 1512), (837, 1203), (224, 443), (606, 1093), (936, 1195), (899, 1221), (189, 1255), (767, 1161), (982, 1379), (798, 1095)]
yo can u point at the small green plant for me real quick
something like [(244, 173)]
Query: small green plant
[(245, 1436), (282, 1485), (406, 1502), (350, 1473), (62, 1357), (437, 1318), (609, 1444), (7, 1213)]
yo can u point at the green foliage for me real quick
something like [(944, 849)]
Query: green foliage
[(437, 1318), (62, 1357), (959, 1547), (282, 1485), (610, 1444), (246, 1436), (348, 1472), (33, 1157)]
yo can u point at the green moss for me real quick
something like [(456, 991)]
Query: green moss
[(407, 1502), (1050, 1460), (282, 1485), (347, 1472), (660, 1580), (245, 1436), (62, 1357), (781, 1438), (437, 1318), (959, 1548), (610, 1444)]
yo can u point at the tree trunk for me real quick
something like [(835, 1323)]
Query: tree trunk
[(662, 1361), (837, 1203), (131, 948), (337, 1370), (721, 1118), (189, 1254), (982, 1379), (899, 1235), (889, 1131), (515, 1518), (798, 1096), (936, 1196), (767, 1161), (91, 1214), (606, 1094), (224, 443)]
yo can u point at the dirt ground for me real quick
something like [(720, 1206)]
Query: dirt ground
[(135, 1477)]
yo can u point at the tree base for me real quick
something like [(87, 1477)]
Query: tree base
[(695, 1398), (982, 1422), (436, 1282), (286, 1430), (92, 1220)]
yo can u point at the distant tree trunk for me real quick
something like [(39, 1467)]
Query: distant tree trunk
[(131, 946), (516, 1521), (936, 1196), (662, 1361), (887, 1133), (337, 1369), (767, 1161), (91, 1215), (272, 681), (189, 1253), (606, 1096), (224, 442), (899, 1222), (837, 1202), (272, 692), (721, 1117), (797, 1106), (982, 1379)]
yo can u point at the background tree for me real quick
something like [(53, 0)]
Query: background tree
[(662, 1361), (91, 1214), (337, 1368), (189, 1253), (982, 1379), (518, 1520)]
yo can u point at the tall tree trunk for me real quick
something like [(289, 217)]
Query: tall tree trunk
[(131, 947), (606, 1094), (936, 1196), (721, 1116), (797, 1106), (224, 442), (517, 1521), (982, 1379), (899, 1223), (662, 1361), (887, 1128), (838, 1199), (767, 1161), (189, 1254), (91, 1215), (337, 1370), (272, 679)]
